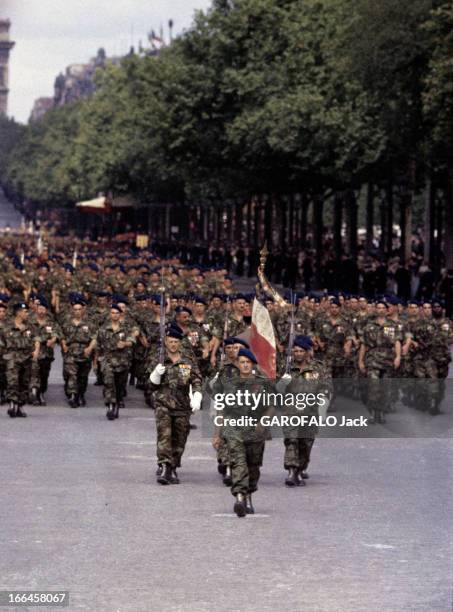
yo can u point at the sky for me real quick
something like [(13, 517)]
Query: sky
[(51, 34)]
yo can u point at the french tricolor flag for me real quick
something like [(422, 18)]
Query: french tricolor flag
[(262, 340)]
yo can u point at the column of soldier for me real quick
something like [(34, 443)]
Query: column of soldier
[(178, 332)]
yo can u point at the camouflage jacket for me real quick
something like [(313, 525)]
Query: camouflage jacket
[(173, 391), (78, 337), (18, 344), (46, 331), (380, 341), (107, 340)]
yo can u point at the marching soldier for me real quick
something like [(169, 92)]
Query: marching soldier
[(379, 357), (77, 343), (49, 333), (306, 372), (20, 347), (228, 371), (177, 393), (114, 342), (245, 444)]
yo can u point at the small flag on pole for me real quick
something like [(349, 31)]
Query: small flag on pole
[(74, 259), (39, 244)]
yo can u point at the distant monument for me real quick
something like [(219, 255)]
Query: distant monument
[(5, 47)]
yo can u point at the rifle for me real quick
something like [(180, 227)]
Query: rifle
[(292, 335), (162, 321), (225, 335)]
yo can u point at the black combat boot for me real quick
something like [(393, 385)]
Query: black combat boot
[(160, 469), (227, 480), (82, 400), (2, 397), (174, 477), (42, 401), (111, 412), (20, 412), (292, 479), (73, 401), (301, 477), (239, 505), (117, 410), (166, 477), (12, 410), (193, 426), (221, 468), (304, 475), (249, 509)]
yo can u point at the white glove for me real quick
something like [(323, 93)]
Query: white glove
[(156, 374), (195, 401), (283, 382), (213, 381)]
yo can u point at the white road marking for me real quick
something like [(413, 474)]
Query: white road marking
[(228, 515), (379, 546)]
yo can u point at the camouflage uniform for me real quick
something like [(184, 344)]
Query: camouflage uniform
[(379, 341), (114, 362), (313, 377), (171, 399), (245, 444), (333, 333), (41, 367), (18, 346), (428, 392), (76, 366)]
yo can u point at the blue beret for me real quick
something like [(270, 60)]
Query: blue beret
[(414, 302), (20, 306), (4, 297), (115, 306), (118, 297), (174, 333), (239, 296), (240, 341), (303, 342), (183, 309), (335, 302), (103, 294), (141, 297), (78, 302), (243, 352), (43, 302), (69, 267), (43, 264), (200, 300), (93, 266), (393, 300)]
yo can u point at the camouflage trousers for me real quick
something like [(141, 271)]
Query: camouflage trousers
[(379, 395), (172, 432), (75, 374), (297, 452), (115, 382), (40, 371), (223, 456), (2, 375), (138, 366), (18, 375), (428, 389), (246, 458)]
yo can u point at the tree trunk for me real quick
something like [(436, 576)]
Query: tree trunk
[(291, 219), (337, 224), (268, 210), (369, 218), (352, 209), (406, 214), (256, 223), (304, 220), (318, 210), (249, 222), (238, 222), (448, 237), (388, 245), (430, 214), (282, 211)]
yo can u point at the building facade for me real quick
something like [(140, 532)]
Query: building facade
[(5, 47)]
